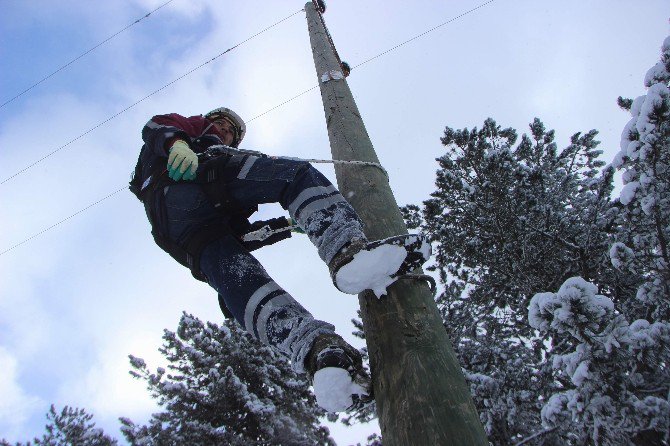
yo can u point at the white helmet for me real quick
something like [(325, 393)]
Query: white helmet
[(232, 117)]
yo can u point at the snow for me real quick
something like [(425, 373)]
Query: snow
[(137, 362), (554, 409), (620, 254), (581, 373), (574, 307), (618, 159), (656, 94), (333, 388), (625, 135), (647, 204), (633, 149), (541, 304), (636, 106), (628, 192), (629, 175), (371, 270), (656, 74)]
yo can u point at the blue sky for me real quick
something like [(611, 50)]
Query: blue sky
[(77, 300)]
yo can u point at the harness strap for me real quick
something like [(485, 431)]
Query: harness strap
[(212, 181), (213, 184)]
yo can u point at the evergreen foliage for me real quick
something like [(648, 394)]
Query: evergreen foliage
[(225, 388), (511, 220), (615, 377), (642, 246), (556, 296), (641, 252), (70, 427)]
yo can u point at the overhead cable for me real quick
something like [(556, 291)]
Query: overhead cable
[(383, 53), (255, 117), (85, 53), (63, 220), (423, 33), (144, 98)]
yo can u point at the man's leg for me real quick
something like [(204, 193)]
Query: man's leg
[(262, 307), (321, 211), (331, 224), (258, 303)]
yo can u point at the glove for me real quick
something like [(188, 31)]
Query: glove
[(182, 162), (294, 226)]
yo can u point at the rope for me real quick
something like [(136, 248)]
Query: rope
[(255, 117), (260, 234), (265, 232), (355, 162), (223, 149)]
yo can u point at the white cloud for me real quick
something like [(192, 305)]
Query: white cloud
[(16, 405), (77, 300), (105, 388)]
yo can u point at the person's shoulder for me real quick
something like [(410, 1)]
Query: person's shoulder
[(177, 118)]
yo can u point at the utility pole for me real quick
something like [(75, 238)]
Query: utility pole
[(421, 394)]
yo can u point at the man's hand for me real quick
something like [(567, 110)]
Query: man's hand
[(183, 162)]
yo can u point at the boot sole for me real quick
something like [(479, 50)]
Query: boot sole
[(334, 389), (381, 262)]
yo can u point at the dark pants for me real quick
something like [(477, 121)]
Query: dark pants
[(261, 306)]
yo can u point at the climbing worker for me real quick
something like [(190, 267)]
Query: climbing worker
[(199, 189)]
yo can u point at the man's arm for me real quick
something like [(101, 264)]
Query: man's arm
[(163, 130), (170, 136)]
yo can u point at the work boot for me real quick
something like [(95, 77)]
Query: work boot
[(336, 371), (361, 265)]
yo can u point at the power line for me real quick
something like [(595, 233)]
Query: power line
[(144, 98), (379, 55), (424, 33), (85, 53), (255, 117), (284, 103), (221, 54), (63, 220)]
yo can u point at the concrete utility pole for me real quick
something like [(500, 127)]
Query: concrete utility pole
[(422, 397)]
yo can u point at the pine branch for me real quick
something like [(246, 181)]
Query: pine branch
[(534, 436)]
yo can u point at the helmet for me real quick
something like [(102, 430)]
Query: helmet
[(233, 118)]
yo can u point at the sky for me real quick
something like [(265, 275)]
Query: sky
[(78, 299)]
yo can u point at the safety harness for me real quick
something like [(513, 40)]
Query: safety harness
[(218, 163)]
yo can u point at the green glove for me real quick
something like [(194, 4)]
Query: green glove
[(295, 228), (183, 162)]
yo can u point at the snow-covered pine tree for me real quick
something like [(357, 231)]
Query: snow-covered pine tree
[(613, 383), (643, 245), (508, 221), (224, 388), (616, 379), (72, 426)]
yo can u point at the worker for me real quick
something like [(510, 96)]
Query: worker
[(199, 190)]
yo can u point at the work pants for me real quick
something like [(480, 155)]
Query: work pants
[(256, 301)]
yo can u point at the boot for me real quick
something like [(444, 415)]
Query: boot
[(361, 265), (336, 371)]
